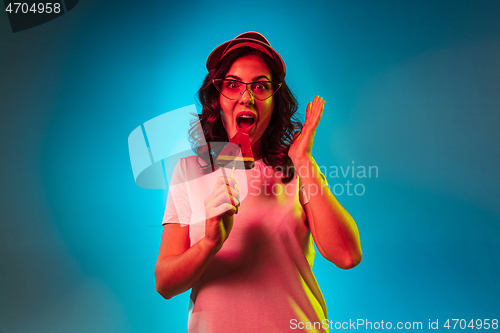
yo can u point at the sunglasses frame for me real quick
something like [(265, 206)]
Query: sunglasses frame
[(246, 88)]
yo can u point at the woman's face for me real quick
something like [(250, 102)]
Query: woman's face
[(247, 69)]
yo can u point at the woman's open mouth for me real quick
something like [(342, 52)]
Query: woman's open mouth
[(245, 121)]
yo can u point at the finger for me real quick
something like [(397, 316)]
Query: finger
[(231, 196), (225, 181), (226, 197), (222, 200), (228, 209), (232, 190), (233, 200), (225, 190), (235, 193), (311, 109), (318, 101), (314, 112), (308, 111), (225, 209), (317, 110), (321, 107), (230, 181), (220, 193)]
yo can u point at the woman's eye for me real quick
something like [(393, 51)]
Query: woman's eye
[(232, 85), (259, 86)]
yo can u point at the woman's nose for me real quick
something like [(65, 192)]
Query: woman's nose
[(246, 97)]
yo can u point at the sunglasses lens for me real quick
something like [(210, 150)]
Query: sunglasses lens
[(232, 89)]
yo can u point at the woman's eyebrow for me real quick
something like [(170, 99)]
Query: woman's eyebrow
[(240, 79), (261, 77), (233, 77)]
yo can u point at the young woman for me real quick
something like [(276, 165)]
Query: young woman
[(249, 263)]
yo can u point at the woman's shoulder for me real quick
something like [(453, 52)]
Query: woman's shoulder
[(189, 167), (188, 161), (193, 163)]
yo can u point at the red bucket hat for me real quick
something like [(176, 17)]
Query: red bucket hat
[(252, 39)]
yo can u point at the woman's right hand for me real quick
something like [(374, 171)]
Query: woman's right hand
[(220, 207), (180, 265)]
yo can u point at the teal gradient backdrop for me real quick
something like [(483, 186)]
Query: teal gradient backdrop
[(411, 87)]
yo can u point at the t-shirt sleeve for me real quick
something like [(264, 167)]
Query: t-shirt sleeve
[(178, 209)]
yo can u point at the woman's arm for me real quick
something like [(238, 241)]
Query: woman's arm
[(180, 266), (334, 231)]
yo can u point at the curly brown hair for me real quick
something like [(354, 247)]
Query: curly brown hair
[(277, 138)]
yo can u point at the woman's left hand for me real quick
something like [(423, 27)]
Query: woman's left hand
[(303, 141)]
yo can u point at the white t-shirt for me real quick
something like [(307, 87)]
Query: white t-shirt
[(261, 280)]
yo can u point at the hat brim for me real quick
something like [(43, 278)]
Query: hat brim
[(220, 52)]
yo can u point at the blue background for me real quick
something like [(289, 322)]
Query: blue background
[(410, 87)]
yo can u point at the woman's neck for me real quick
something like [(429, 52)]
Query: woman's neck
[(257, 149)]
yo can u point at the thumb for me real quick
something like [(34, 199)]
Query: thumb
[(296, 136)]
